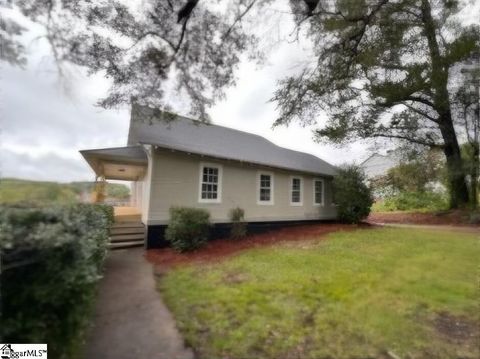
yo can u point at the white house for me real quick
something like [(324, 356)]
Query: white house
[(378, 165), (175, 161)]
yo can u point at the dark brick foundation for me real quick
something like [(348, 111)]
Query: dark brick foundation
[(155, 236)]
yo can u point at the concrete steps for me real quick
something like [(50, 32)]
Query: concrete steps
[(127, 235)]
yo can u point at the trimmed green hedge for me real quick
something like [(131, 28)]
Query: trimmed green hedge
[(52, 259), (188, 228)]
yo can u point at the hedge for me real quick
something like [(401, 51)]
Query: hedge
[(52, 259)]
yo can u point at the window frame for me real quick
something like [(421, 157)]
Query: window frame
[(219, 167), (271, 202), (315, 203), (298, 204)]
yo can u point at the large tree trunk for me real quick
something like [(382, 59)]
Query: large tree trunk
[(474, 175), (456, 173), (439, 81)]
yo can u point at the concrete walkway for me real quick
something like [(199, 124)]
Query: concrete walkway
[(131, 321)]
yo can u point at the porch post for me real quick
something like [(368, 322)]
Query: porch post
[(99, 190)]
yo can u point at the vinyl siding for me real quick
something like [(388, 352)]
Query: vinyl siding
[(378, 165), (175, 182)]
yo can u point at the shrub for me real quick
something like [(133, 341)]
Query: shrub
[(239, 226), (52, 258), (352, 196), (108, 211), (188, 228), (406, 201)]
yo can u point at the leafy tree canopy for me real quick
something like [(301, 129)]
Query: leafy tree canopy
[(381, 69), (140, 45), (415, 172)]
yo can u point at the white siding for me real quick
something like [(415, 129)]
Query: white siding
[(175, 182)]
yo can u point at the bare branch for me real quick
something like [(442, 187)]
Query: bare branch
[(239, 18)]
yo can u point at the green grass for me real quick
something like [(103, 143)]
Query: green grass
[(14, 190), (355, 295)]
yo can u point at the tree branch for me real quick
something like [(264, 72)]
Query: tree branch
[(239, 18), (421, 113), (421, 100), (409, 139), (186, 10)]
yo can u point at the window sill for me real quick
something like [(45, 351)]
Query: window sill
[(209, 201), (260, 203)]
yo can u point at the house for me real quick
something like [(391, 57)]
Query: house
[(378, 165), (175, 161)]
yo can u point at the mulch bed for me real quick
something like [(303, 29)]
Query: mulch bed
[(221, 248), (452, 218)]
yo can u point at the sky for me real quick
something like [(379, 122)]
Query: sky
[(45, 121)]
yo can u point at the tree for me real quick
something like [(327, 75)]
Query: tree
[(467, 116), (379, 68), (417, 182), (415, 172), (382, 70), (142, 47)]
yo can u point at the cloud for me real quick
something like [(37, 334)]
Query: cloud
[(45, 167), (43, 127)]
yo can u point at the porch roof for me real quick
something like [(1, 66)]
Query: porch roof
[(121, 163)]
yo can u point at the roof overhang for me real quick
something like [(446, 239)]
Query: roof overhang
[(119, 163)]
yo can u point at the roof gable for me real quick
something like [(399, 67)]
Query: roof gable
[(151, 126)]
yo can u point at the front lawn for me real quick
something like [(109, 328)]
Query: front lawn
[(379, 293)]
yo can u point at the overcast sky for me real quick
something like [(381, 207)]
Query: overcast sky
[(43, 125)]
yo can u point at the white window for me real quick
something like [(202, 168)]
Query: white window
[(318, 192), (296, 189), (265, 188), (210, 190)]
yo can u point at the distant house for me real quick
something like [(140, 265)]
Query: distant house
[(181, 162), (378, 165)]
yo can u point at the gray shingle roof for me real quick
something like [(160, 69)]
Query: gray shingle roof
[(151, 126)]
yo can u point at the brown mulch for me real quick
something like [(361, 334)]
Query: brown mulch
[(451, 218), (217, 250)]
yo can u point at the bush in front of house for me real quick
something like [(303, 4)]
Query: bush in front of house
[(52, 259), (352, 196), (239, 226), (188, 228)]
